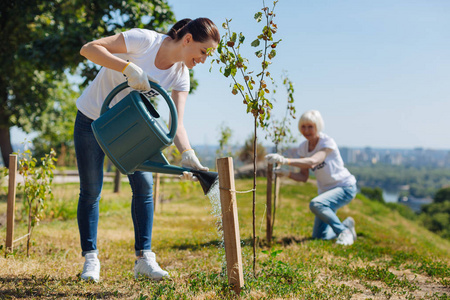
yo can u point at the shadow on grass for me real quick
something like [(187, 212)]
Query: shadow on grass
[(283, 241), (45, 286), (194, 247), (289, 240)]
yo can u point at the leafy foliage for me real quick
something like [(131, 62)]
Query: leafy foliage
[(279, 129), (58, 121), (246, 154), (375, 194), (36, 187), (251, 84), (252, 87), (442, 195), (423, 181), (436, 216), (224, 147), (41, 40)]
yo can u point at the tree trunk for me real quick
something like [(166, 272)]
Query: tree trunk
[(62, 156), (254, 196), (5, 144)]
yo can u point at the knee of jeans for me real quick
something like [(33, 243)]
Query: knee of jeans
[(315, 206), (89, 196), (143, 198)]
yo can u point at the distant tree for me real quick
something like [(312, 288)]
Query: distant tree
[(279, 129), (423, 181), (442, 195), (436, 216), (246, 153), (56, 131), (224, 141), (41, 39), (374, 194)]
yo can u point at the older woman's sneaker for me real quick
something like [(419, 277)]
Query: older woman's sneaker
[(91, 268), (148, 267), (345, 238), (350, 224)]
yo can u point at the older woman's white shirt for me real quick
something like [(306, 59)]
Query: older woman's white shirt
[(331, 172)]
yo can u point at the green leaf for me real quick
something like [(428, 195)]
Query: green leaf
[(258, 17), (233, 37), (255, 43), (227, 72), (241, 38)]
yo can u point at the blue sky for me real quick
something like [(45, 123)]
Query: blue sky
[(378, 71)]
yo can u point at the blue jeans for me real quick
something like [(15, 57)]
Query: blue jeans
[(90, 159), (327, 225)]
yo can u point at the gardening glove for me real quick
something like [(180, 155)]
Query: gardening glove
[(189, 160), (188, 176), (137, 78), (275, 158), (282, 173)]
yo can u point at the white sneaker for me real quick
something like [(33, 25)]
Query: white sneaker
[(91, 268), (345, 238), (148, 267), (350, 224)]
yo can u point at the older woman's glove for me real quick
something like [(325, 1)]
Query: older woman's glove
[(275, 158)]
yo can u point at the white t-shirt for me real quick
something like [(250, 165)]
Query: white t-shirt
[(142, 47), (331, 172)]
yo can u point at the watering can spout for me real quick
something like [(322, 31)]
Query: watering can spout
[(206, 179), (157, 165)]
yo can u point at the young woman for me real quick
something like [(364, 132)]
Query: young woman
[(336, 186), (136, 55)]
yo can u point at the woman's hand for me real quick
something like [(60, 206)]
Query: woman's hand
[(136, 77), (275, 158), (189, 160), (188, 176)]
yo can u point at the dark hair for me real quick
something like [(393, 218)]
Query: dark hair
[(202, 29)]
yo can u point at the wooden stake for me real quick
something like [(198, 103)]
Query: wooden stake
[(156, 192), (277, 191), (117, 181), (11, 203), (230, 224), (269, 205)]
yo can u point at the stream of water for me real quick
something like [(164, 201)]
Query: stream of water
[(216, 210)]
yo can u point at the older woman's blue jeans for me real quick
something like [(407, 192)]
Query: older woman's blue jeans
[(90, 159), (327, 224)]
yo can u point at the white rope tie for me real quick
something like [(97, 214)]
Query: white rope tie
[(238, 192)]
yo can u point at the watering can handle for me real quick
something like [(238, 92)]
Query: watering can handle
[(160, 90)]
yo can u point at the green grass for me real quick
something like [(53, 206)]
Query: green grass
[(393, 258)]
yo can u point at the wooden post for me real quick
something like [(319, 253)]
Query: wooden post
[(117, 181), (11, 203), (230, 224), (156, 192), (276, 197), (269, 205)]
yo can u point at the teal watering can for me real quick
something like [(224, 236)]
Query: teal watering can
[(132, 135)]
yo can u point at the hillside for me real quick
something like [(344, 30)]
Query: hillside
[(393, 258)]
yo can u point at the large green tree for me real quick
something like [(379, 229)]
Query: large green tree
[(42, 38)]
